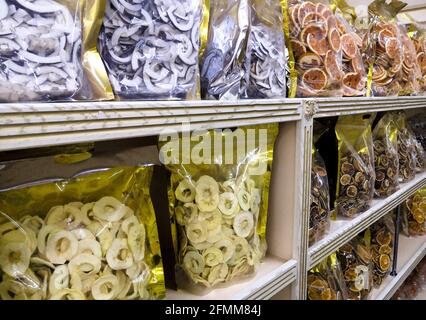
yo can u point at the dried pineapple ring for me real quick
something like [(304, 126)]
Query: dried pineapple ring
[(213, 256), (185, 191), (64, 216), (218, 273), (227, 247), (87, 213), (59, 279), (86, 264), (90, 246), (136, 241), (119, 255), (11, 289), (34, 223), (61, 247), (196, 232), (83, 234), (68, 294), (193, 262), (207, 193), (244, 199), (14, 258), (211, 219), (109, 209), (228, 203), (105, 288), (129, 222), (243, 224)]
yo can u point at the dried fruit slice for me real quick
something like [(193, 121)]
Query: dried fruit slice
[(293, 13), (392, 48), (309, 60), (315, 79), (320, 7), (384, 36), (313, 17), (305, 8), (357, 64), (352, 80), (331, 66), (298, 47), (348, 46), (317, 45), (334, 40), (331, 23), (384, 262), (317, 31), (326, 12), (421, 60)]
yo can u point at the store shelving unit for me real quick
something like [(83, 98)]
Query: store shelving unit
[(288, 259)]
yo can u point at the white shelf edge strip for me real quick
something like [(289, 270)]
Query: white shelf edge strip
[(391, 284), (380, 208)]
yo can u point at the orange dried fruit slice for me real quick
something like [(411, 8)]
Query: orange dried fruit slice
[(384, 238), (384, 262), (352, 80), (317, 31), (349, 47), (419, 216), (320, 7), (326, 294), (304, 9), (334, 40), (326, 12), (385, 249), (331, 66), (358, 39), (317, 45), (315, 79), (313, 17), (309, 60), (392, 48), (357, 64), (299, 49), (384, 36), (293, 13), (379, 73), (421, 60), (331, 22), (341, 26)]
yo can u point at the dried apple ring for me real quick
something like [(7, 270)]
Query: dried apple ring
[(90, 246), (65, 216), (298, 47), (211, 219), (59, 279), (84, 263), (75, 281), (186, 214), (218, 273), (105, 288), (332, 67), (243, 224), (244, 199), (87, 213), (309, 60), (185, 191), (61, 247), (212, 256), (34, 223), (11, 289), (139, 272), (349, 47), (196, 232), (317, 45), (109, 209), (228, 203), (83, 234), (227, 247), (193, 262), (119, 256), (207, 193), (315, 78), (14, 258), (136, 241), (68, 294), (128, 223), (334, 40)]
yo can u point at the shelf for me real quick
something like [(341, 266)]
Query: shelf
[(271, 277), (343, 230), (45, 124), (411, 252)]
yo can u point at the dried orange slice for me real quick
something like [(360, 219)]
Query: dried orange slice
[(331, 22), (348, 46), (326, 12), (357, 39), (334, 39), (418, 216), (317, 45), (315, 79), (313, 17), (384, 36), (421, 60), (384, 238), (305, 8), (309, 60), (298, 47), (352, 80), (341, 26), (379, 73), (293, 13), (316, 30), (392, 48), (357, 64), (326, 294), (331, 66), (384, 262)]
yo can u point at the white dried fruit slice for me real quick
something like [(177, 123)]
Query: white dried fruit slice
[(59, 279), (250, 184), (109, 209), (228, 203), (227, 247), (76, 204), (244, 199), (14, 258), (24, 235), (44, 233), (230, 186), (119, 256), (76, 282), (202, 245), (211, 219), (41, 262), (7, 227), (186, 214), (90, 246), (34, 223), (218, 274), (128, 223), (61, 247), (66, 216), (83, 234), (196, 232), (136, 241), (207, 193), (243, 224), (105, 288), (193, 262), (138, 272), (185, 191), (11, 289), (213, 256), (68, 294), (241, 249), (215, 234), (228, 231), (124, 284), (85, 264), (87, 214)]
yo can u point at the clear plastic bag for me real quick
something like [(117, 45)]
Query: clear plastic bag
[(386, 160), (221, 64), (406, 149), (413, 214), (92, 235), (264, 64), (419, 38), (356, 264), (43, 52), (220, 207), (326, 280), (382, 246), (355, 172), (315, 46), (150, 48), (420, 155)]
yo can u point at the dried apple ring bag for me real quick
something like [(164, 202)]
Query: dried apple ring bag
[(218, 202), (315, 49)]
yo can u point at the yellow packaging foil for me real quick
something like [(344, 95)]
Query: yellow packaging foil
[(204, 153), (129, 185)]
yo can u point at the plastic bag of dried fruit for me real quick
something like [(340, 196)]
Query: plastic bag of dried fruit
[(355, 261), (355, 171), (326, 281), (91, 234), (151, 48), (406, 148), (413, 214), (219, 201), (223, 44), (386, 160), (382, 245), (265, 57), (319, 219), (419, 38), (420, 155), (48, 51), (315, 49), (383, 42)]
